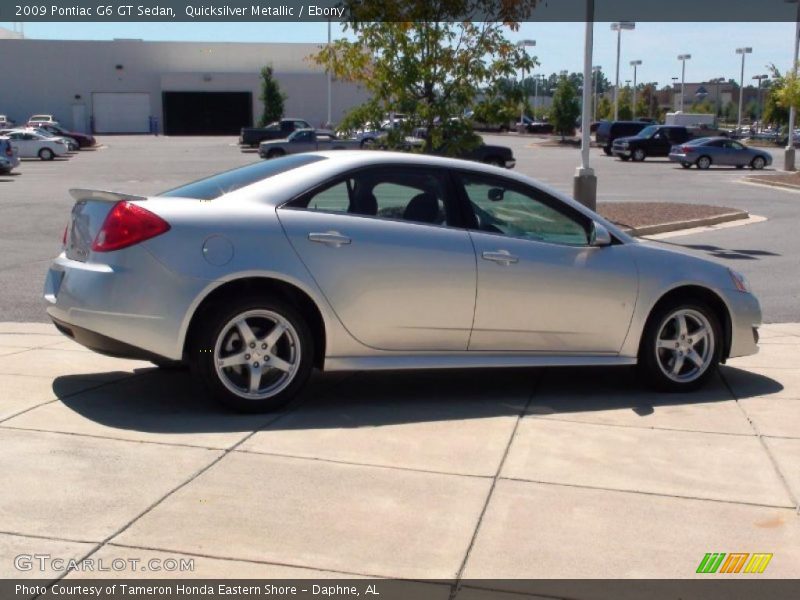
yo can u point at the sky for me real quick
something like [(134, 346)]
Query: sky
[(559, 46)]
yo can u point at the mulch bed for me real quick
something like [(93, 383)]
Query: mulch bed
[(780, 178), (639, 215)]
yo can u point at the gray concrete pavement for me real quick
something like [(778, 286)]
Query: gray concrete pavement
[(34, 206), (468, 474)]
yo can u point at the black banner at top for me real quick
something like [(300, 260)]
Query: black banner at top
[(397, 10)]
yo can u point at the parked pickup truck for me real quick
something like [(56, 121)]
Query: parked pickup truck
[(655, 140), (253, 136), (306, 140)]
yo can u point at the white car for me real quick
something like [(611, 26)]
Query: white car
[(29, 144), (72, 143)]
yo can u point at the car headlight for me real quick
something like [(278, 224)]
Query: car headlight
[(740, 281)]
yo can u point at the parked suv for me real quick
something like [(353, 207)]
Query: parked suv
[(608, 131), (655, 140)]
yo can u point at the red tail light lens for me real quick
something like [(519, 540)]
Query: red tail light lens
[(686, 149), (127, 224)]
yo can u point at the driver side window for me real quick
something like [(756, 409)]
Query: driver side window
[(508, 210)]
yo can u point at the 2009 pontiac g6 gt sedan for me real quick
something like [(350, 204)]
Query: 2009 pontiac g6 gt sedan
[(376, 260)]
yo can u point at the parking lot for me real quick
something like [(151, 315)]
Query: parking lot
[(455, 476)]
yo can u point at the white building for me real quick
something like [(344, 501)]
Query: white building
[(131, 86)]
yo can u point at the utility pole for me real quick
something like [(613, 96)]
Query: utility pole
[(619, 27), (683, 58), (744, 52), (634, 64)]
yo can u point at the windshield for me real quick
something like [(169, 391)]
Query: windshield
[(648, 131), (229, 181)]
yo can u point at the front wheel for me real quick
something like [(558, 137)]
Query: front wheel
[(681, 347), (758, 163), (253, 355), (639, 155)]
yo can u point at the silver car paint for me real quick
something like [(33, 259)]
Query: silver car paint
[(146, 295)]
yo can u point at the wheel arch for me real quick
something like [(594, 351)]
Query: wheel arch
[(685, 292), (268, 286)]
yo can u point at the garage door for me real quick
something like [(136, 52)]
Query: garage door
[(121, 112)]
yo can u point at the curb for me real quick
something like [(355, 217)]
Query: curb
[(778, 184), (688, 224)]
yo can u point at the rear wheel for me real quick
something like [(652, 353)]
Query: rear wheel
[(253, 355), (607, 150), (681, 346), (704, 162), (639, 155), (46, 154), (758, 163)]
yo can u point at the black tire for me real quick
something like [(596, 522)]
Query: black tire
[(638, 155), (686, 165), (275, 154), (607, 150), (46, 154), (651, 358), (215, 328), (704, 162), (758, 163)]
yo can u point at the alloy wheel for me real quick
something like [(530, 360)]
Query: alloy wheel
[(257, 354), (685, 345)]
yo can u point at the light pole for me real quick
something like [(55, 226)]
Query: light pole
[(522, 44), (683, 58), (788, 159), (744, 52), (718, 100), (634, 64), (619, 27), (536, 79), (584, 186), (596, 71), (328, 123), (760, 112)]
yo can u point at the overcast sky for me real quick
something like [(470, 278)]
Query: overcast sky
[(559, 45)]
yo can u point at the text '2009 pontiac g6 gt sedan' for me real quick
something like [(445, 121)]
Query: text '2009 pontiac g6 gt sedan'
[(354, 260)]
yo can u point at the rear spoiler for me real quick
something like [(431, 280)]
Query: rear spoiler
[(105, 196)]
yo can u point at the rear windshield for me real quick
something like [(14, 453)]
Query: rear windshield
[(229, 181)]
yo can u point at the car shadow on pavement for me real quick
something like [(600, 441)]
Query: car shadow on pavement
[(168, 401)]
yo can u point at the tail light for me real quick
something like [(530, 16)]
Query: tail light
[(686, 149), (127, 224)]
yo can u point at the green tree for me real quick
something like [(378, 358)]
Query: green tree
[(774, 112), (625, 101), (271, 96), (605, 109), (566, 108), (430, 60)]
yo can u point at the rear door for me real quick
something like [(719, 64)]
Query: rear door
[(384, 246)]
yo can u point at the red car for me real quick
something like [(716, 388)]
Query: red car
[(84, 139)]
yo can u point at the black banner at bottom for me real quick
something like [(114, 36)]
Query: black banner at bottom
[(713, 588)]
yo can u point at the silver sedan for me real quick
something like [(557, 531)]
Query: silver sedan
[(363, 261), (719, 151)]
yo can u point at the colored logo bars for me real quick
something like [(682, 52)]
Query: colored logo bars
[(736, 562)]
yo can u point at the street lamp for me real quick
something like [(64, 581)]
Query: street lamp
[(760, 78), (536, 79), (522, 44), (683, 58), (634, 64), (619, 27), (718, 101), (328, 123), (596, 71), (744, 52), (584, 184), (788, 160)]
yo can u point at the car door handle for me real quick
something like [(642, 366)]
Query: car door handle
[(330, 238), (502, 257)]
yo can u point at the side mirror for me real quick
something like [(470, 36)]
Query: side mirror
[(600, 236)]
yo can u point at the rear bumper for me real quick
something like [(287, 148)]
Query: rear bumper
[(103, 344)]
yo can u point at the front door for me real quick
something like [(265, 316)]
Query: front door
[(382, 246), (541, 286)]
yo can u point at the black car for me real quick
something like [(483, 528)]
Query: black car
[(655, 140), (608, 131)]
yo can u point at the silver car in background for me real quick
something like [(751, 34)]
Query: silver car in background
[(353, 260), (721, 152)]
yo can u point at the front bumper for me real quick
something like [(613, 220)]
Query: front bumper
[(745, 312), (621, 152)]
